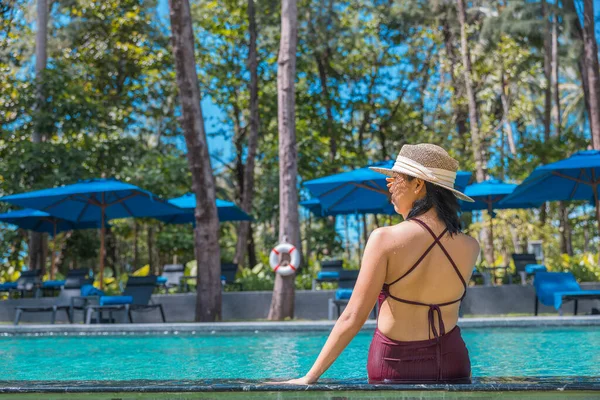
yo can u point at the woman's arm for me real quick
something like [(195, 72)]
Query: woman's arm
[(364, 296)]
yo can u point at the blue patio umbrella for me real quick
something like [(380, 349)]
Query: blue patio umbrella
[(40, 221), (360, 189), (574, 178), (226, 210), (94, 200), (488, 195), (314, 206)]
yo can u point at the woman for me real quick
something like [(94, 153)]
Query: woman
[(419, 271)]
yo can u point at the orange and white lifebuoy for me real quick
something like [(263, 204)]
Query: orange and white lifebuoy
[(280, 266)]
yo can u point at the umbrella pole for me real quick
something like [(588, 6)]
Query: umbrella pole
[(492, 234), (490, 213), (53, 261), (102, 248)]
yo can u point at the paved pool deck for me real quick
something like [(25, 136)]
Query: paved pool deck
[(270, 326)]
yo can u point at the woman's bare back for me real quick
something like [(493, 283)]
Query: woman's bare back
[(433, 281)]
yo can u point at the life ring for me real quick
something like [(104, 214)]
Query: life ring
[(284, 268)]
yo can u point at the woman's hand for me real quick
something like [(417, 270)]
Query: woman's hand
[(299, 381)]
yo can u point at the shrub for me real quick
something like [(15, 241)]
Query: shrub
[(583, 266), (260, 277)]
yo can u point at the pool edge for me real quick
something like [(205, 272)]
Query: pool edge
[(147, 386), (290, 326)]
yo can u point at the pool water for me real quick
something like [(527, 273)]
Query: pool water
[(498, 352)]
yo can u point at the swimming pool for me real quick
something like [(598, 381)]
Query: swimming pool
[(495, 352)]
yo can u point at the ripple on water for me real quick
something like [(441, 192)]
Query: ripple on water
[(498, 352)]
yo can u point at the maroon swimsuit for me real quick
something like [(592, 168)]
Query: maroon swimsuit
[(443, 358)]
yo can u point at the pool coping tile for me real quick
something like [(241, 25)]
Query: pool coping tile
[(272, 326), (186, 386)]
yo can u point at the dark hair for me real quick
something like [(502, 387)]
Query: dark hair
[(443, 201)]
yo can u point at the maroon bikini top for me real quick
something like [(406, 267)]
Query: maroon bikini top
[(433, 308)]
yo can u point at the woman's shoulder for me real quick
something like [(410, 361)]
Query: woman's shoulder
[(392, 236), (470, 243)]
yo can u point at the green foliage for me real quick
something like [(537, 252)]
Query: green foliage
[(371, 76), (583, 266), (260, 277)]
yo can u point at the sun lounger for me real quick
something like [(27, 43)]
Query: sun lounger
[(228, 272), (526, 265), (330, 272), (8, 287), (556, 288), (171, 276), (346, 281), (29, 282), (70, 289), (54, 285), (136, 297)]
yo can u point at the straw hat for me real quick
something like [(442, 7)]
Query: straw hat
[(428, 162)]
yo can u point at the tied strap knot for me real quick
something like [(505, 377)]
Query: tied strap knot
[(433, 310)]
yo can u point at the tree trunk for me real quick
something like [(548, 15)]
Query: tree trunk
[(238, 142), (252, 260), (111, 249), (206, 236), (506, 110), (248, 188), (543, 214), (502, 154), (566, 242), (35, 250), (515, 239), (590, 54), (577, 36), (547, 70), (590, 51), (44, 257), (474, 123), (59, 252), (376, 221), (41, 56), (321, 66), (555, 86), (547, 90), (473, 115), (383, 144), (425, 76), (307, 244), (460, 114), (282, 304)]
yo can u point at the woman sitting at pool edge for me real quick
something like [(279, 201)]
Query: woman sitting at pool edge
[(418, 272)]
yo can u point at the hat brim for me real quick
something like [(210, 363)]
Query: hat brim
[(390, 172)]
